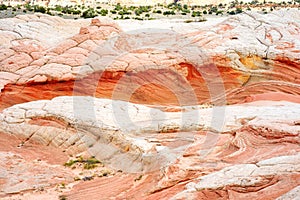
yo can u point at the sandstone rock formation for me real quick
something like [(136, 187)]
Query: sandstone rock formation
[(206, 113), (249, 56), (30, 167), (135, 138)]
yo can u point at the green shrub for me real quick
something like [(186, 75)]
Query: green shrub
[(103, 12), (89, 13), (124, 12), (58, 8), (231, 12), (89, 166), (118, 7), (238, 10), (220, 12), (254, 2), (70, 163), (68, 10), (40, 9), (49, 13), (142, 9), (169, 13), (138, 18), (90, 163), (138, 12), (132, 8), (3, 7), (76, 12), (196, 13), (213, 9), (186, 11)]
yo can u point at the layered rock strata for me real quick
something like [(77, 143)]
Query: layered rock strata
[(246, 57)]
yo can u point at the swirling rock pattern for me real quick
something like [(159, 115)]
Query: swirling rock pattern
[(151, 104), (136, 138), (256, 57)]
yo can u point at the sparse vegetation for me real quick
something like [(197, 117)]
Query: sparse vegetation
[(173, 10), (157, 11), (169, 13), (238, 10), (90, 163), (103, 12), (89, 13), (196, 14), (40, 9), (3, 7)]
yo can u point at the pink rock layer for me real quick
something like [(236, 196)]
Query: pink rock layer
[(34, 68), (107, 85), (251, 58)]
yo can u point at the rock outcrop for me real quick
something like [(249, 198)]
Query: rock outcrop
[(30, 167), (266, 179), (208, 113), (244, 58), (138, 139)]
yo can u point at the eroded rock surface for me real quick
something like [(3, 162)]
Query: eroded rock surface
[(185, 142), (264, 179), (249, 57), (30, 167)]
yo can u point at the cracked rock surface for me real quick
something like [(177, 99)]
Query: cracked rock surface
[(139, 139), (254, 56), (188, 111)]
